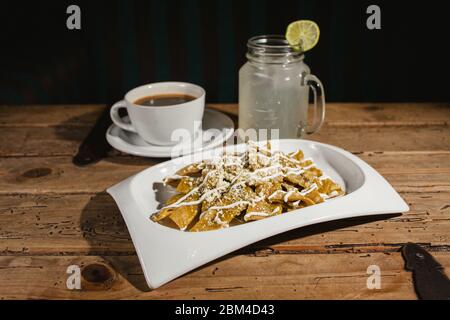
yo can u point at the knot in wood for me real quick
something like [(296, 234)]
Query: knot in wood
[(97, 273), (37, 173)]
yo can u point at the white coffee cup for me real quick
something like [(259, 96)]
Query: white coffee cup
[(155, 124)]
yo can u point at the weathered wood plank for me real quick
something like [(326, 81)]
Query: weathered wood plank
[(380, 114), (387, 138), (41, 141), (49, 115), (340, 114), (407, 172), (376, 114), (58, 174), (53, 214), (58, 130), (299, 276), (92, 224), (58, 141)]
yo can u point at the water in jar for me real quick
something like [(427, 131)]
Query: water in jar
[(272, 96)]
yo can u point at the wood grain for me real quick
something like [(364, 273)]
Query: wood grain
[(64, 141), (92, 224), (293, 276), (27, 131), (408, 172), (53, 214), (339, 114)]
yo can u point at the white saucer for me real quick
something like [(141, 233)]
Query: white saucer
[(216, 128)]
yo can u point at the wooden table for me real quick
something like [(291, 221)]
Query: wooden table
[(54, 214)]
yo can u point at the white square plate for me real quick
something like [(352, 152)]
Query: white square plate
[(166, 253)]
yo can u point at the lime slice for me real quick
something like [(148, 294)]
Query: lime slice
[(303, 35)]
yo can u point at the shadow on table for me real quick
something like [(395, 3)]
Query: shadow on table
[(76, 128), (321, 228), (116, 157), (105, 230)]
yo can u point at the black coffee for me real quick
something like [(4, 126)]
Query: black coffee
[(162, 100)]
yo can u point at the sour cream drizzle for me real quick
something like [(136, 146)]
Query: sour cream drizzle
[(274, 170)]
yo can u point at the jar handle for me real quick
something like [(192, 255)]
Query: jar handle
[(319, 102)]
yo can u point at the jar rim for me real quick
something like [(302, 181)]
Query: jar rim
[(272, 45), (270, 41)]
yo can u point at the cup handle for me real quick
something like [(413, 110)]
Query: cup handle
[(319, 102), (115, 117)]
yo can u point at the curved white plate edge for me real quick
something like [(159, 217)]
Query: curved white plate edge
[(239, 147), (283, 226), (371, 171), (137, 150), (115, 192), (162, 154), (155, 281)]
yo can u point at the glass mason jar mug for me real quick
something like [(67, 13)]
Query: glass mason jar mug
[(274, 90)]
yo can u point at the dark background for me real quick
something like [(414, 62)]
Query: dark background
[(123, 44)]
